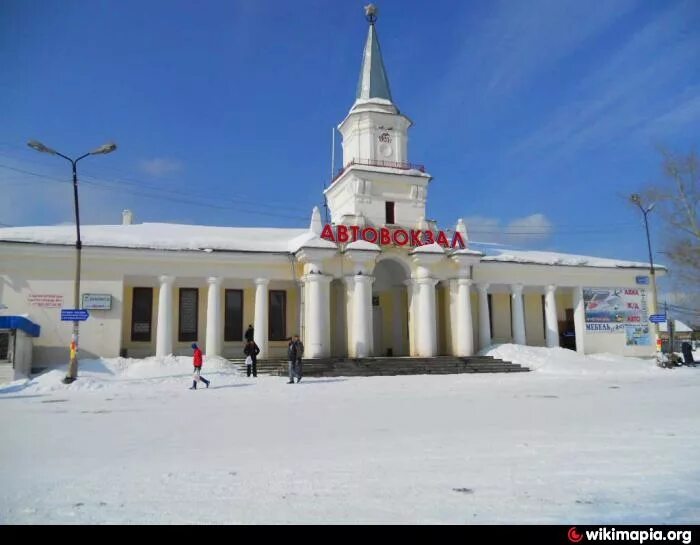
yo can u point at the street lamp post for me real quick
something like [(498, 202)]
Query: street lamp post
[(102, 150), (636, 199)]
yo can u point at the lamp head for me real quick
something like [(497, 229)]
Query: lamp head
[(38, 146), (105, 149)]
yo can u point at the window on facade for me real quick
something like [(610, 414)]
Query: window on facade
[(233, 316), (490, 298), (277, 315), (4, 345), (141, 314), (189, 311), (390, 218)]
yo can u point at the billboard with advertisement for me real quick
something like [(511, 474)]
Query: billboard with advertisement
[(616, 307)]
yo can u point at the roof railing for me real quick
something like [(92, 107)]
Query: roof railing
[(379, 163)]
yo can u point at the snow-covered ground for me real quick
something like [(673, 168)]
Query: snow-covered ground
[(583, 440)]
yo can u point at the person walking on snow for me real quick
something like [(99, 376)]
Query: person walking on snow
[(251, 351), (197, 362), (295, 350)]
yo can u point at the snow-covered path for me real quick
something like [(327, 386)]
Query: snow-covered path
[(617, 444)]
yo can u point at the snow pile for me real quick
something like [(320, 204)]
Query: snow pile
[(96, 374), (560, 361)]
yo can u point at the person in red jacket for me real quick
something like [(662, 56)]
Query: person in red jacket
[(197, 362)]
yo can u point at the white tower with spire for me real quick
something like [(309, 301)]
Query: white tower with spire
[(378, 185)]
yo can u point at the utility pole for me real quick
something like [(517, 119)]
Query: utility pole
[(102, 150), (636, 199)]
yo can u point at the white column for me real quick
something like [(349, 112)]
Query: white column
[(518, 318), (398, 318), (465, 333), (349, 286), (579, 319), (411, 293), (426, 329), (213, 337), (318, 330), (362, 316), (164, 328), (484, 318), (261, 318), (550, 317)]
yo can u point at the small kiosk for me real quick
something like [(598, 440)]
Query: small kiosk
[(16, 333)]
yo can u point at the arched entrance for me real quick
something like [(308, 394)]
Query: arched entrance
[(390, 308)]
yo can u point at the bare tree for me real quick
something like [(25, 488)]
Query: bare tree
[(678, 198)]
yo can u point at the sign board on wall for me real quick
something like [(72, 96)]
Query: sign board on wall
[(612, 309), (642, 280), (45, 300), (637, 335), (97, 301), (74, 315)]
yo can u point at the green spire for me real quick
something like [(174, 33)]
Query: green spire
[(373, 82)]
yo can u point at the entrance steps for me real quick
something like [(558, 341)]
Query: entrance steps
[(390, 366), (7, 373)]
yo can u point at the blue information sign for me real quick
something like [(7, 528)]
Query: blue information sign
[(657, 318), (74, 315), (642, 280)]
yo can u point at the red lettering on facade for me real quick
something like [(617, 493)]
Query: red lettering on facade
[(342, 233), (415, 237), (403, 235), (384, 236), (370, 231), (400, 237), (457, 239), (327, 233)]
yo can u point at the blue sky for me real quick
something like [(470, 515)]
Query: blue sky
[(535, 117)]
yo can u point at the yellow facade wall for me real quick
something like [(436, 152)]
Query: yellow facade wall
[(500, 317), (232, 349), (534, 326)]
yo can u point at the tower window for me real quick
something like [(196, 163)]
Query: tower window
[(390, 213)]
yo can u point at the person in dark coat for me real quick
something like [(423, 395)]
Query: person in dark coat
[(197, 362), (251, 350), (295, 350), (249, 333), (687, 350)]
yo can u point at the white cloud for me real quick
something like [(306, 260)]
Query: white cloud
[(519, 231), (159, 166)]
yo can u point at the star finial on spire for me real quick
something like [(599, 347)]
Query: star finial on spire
[(371, 13)]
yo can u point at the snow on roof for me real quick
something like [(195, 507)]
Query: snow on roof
[(678, 327), (433, 248), (171, 236), (553, 258), (467, 251), (390, 170), (363, 245)]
